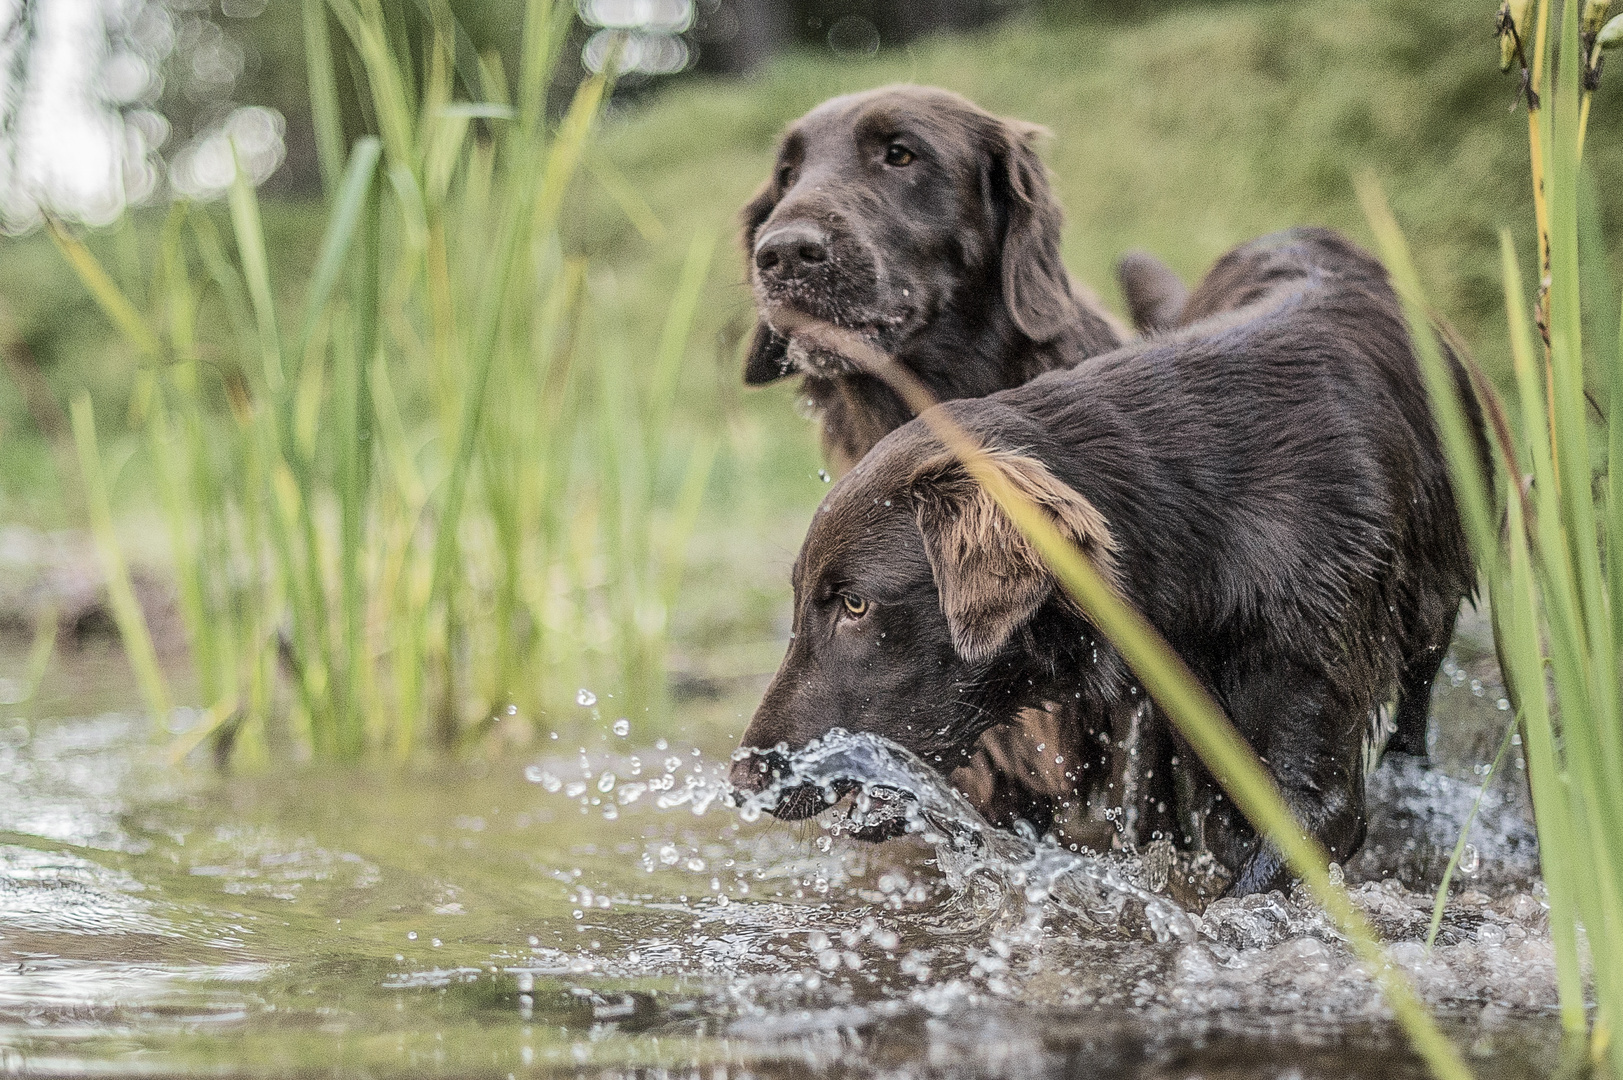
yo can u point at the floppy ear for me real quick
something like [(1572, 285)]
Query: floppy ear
[(768, 357), (990, 577), (1036, 286)]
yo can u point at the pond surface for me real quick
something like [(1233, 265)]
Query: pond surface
[(588, 906)]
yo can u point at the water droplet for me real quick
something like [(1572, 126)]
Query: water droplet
[(622, 727), (585, 698), (822, 474), (1470, 860), (411, 935), (578, 913), (605, 783)]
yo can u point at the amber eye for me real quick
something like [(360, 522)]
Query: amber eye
[(856, 606), (898, 155)]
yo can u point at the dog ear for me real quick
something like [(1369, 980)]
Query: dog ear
[(768, 357), (990, 578), (1036, 286)]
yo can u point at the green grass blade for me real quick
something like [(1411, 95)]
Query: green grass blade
[(132, 624), (1516, 609), (250, 234), (535, 69), (1614, 492), (1472, 486), (325, 114), (341, 225), (1529, 386), (227, 281), (106, 292), (180, 517), (564, 155), (673, 337), (392, 431), (39, 653), (390, 105)]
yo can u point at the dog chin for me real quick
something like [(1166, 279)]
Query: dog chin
[(817, 343), (812, 359)]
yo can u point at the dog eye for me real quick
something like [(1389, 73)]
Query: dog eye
[(855, 606), (786, 174), (898, 155)]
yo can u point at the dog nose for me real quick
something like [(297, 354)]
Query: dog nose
[(753, 774), (791, 252)]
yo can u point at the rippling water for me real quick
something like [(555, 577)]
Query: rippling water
[(596, 909)]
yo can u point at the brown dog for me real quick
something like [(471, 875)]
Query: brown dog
[(1265, 486), (927, 225)]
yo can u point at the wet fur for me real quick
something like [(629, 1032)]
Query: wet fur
[(980, 245), (1248, 278), (1273, 499), (950, 265)]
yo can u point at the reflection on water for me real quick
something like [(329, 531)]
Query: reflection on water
[(600, 910)]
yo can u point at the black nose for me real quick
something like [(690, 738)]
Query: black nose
[(790, 252), (756, 772)]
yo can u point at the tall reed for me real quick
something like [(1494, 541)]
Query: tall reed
[(1552, 554), (428, 483)]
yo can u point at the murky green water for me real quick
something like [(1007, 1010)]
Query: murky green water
[(555, 913)]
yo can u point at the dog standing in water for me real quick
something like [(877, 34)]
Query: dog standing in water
[(1266, 486), (927, 226)]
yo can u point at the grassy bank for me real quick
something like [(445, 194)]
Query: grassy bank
[(1182, 133)]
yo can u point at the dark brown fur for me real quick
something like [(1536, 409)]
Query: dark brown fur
[(1265, 486), (1250, 277), (927, 225), (950, 264)]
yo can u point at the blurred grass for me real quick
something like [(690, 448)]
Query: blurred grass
[(1182, 133)]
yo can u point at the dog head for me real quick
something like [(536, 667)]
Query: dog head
[(886, 208), (915, 605)]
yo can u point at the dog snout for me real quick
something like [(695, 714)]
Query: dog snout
[(791, 252), (753, 773)]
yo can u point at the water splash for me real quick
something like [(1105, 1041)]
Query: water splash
[(893, 790)]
